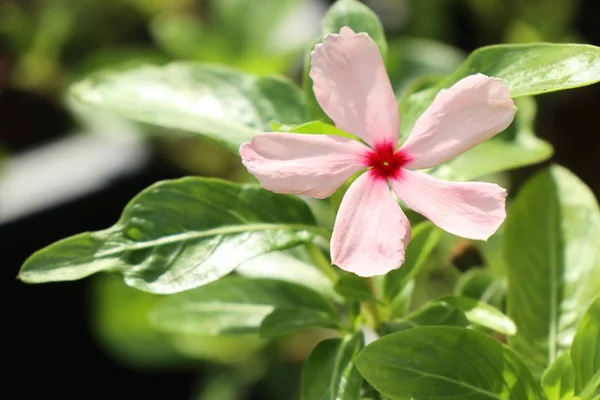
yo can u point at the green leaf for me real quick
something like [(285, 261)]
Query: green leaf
[(284, 321), (354, 287), (313, 127), (424, 237), (329, 373), (436, 362), (409, 59), (435, 313), (516, 147), (120, 322), (552, 252), (359, 18), (225, 105), (179, 234), (585, 353), (480, 284), (401, 303), (482, 314), (283, 266), (233, 305), (528, 69), (558, 380)]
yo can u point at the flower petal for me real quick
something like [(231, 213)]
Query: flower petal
[(305, 164), (473, 110), (371, 232), (353, 88), (474, 210)]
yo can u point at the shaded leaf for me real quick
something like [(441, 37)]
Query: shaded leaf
[(424, 237), (233, 305), (482, 314), (284, 321), (435, 313), (354, 287), (329, 373)]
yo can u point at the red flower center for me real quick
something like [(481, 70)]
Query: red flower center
[(385, 162)]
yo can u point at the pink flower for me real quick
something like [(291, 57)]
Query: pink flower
[(371, 232)]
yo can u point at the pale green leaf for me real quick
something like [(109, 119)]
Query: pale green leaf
[(558, 380), (233, 305), (226, 105), (552, 252)]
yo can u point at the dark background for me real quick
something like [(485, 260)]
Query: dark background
[(50, 349)]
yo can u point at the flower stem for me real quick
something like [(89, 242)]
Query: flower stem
[(371, 308), (321, 262)]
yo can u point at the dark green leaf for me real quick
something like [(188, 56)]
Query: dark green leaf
[(585, 353), (482, 314), (329, 373), (436, 313), (552, 252), (480, 284), (354, 287), (558, 380), (284, 321), (120, 322), (233, 305), (226, 105), (435, 362), (401, 303), (178, 235)]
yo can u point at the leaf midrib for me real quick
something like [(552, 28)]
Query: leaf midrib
[(183, 237)]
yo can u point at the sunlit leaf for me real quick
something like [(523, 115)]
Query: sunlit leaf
[(585, 353), (179, 234), (552, 252), (223, 104), (528, 69), (558, 380)]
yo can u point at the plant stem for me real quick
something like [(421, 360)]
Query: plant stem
[(371, 308), (321, 262)]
